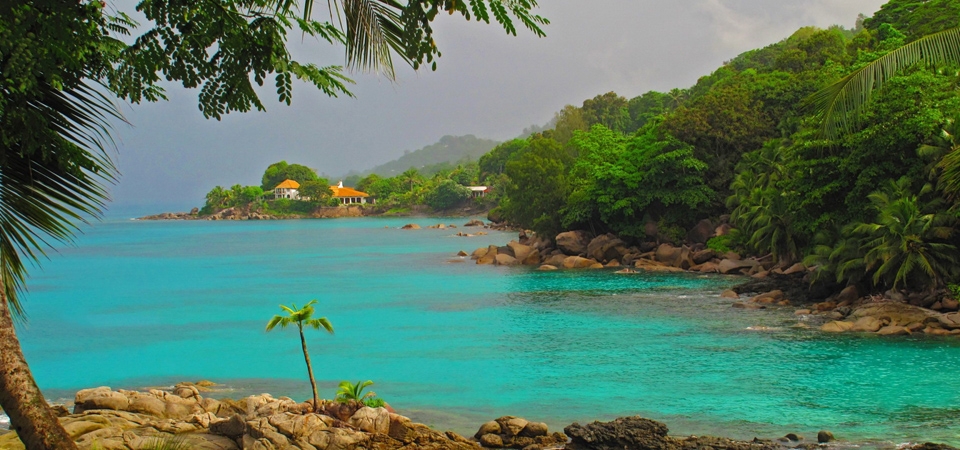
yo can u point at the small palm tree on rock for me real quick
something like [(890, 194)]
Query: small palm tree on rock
[(302, 317)]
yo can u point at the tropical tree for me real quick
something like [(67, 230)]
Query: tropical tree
[(60, 57), (447, 194), (839, 104), (302, 317), (277, 172), (316, 190), (907, 243), (348, 391)]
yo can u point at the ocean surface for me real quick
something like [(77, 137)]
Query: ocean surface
[(135, 304)]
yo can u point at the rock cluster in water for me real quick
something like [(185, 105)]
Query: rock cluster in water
[(583, 250)]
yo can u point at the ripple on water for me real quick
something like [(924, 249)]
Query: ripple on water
[(146, 304)]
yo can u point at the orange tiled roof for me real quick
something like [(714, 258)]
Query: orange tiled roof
[(347, 192), (288, 184)]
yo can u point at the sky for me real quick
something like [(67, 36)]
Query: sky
[(487, 83)]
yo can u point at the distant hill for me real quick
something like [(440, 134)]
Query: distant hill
[(450, 150)]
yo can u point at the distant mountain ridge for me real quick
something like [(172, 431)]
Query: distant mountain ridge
[(449, 150)]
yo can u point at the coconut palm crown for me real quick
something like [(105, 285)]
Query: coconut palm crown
[(302, 317), (840, 103)]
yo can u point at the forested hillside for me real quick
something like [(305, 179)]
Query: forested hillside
[(443, 155), (874, 206)]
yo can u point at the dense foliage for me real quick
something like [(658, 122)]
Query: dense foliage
[(875, 206)]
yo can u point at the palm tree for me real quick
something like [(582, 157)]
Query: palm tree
[(348, 391), (51, 173), (906, 244), (839, 104), (303, 317), (945, 153)]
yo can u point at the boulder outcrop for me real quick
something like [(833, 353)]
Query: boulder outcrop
[(516, 432), (573, 242), (130, 420), (637, 433)]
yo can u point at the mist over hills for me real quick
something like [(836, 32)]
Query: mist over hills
[(445, 153)]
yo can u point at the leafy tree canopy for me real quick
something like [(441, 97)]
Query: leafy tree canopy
[(277, 172)]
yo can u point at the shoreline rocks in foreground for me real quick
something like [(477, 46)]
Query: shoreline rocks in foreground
[(129, 420)]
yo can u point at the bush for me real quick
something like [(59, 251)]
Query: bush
[(720, 243), (375, 402)]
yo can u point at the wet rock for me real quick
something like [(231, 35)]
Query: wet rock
[(893, 330), (836, 326), (867, 324), (728, 266), (668, 255), (577, 262), (555, 260), (410, 226), (742, 305), (824, 436), (950, 321), (797, 268), (793, 437), (623, 433), (505, 260), (702, 256), (547, 267), (606, 247), (729, 294), (491, 441), (701, 232), (768, 297), (893, 313), (520, 251), (709, 267), (474, 223), (849, 293), (949, 304), (654, 266), (573, 242)]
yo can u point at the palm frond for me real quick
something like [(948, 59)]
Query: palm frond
[(373, 32), (839, 104), (51, 178), (323, 323)]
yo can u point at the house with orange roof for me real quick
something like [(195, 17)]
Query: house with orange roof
[(348, 196), (288, 189)]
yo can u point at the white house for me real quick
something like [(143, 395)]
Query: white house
[(478, 191), (288, 189), (348, 196)]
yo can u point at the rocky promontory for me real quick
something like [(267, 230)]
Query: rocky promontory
[(248, 213)]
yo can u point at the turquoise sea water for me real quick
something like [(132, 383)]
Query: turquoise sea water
[(452, 344)]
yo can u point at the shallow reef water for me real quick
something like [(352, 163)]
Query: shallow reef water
[(135, 304)]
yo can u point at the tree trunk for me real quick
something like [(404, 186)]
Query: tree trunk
[(30, 415), (313, 383)]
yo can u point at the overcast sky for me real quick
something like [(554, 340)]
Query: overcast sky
[(487, 84)]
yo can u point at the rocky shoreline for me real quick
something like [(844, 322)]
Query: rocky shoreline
[(108, 419), (325, 212), (893, 313)]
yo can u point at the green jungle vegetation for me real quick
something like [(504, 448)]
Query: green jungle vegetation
[(444, 190), (876, 205)]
